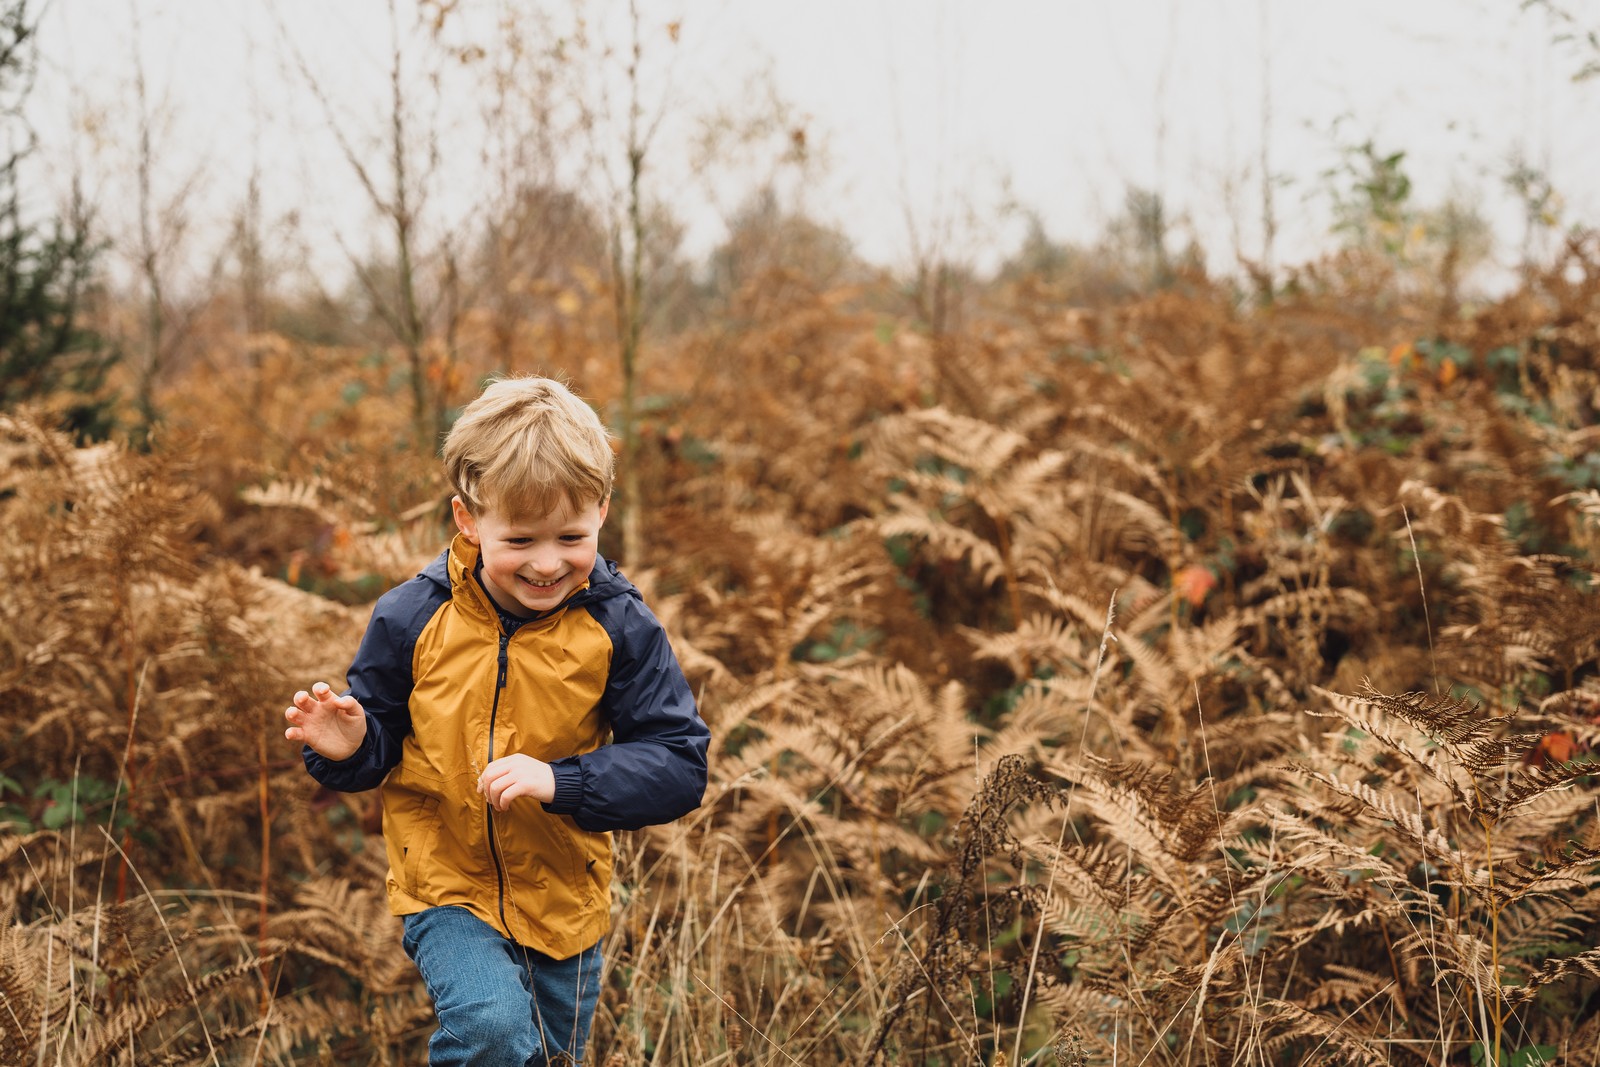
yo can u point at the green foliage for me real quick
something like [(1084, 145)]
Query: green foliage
[(13, 816), (46, 354), (1371, 194), (55, 804), (1527, 1056), (846, 638)]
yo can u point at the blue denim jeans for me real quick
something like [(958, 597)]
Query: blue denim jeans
[(499, 1003)]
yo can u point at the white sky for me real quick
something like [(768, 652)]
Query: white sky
[(927, 116)]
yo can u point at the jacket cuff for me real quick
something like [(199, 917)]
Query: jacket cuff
[(569, 788), (322, 768)]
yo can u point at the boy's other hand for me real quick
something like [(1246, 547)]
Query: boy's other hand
[(510, 777), (334, 726)]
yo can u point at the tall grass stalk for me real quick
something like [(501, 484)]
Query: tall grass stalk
[(177, 956), (1106, 637)]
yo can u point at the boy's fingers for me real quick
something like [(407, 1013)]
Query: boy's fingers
[(505, 790)]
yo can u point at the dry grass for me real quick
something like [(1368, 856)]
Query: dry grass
[(1314, 789)]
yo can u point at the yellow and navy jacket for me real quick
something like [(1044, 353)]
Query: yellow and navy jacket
[(449, 685)]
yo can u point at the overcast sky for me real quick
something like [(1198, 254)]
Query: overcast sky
[(924, 118)]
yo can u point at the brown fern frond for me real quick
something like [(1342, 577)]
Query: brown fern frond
[(1095, 872), (204, 1049), (1454, 721), (1572, 868), (35, 989), (1582, 1045), (127, 1026), (946, 540), (1334, 1040), (729, 716), (984, 831), (1374, 736), (351, 927), (1240, 744), (1316, 603), (1523, 787), (1369, 804), (1133, 525), (1047, 717), (1144, 808), (1338, 984), (1453, 950), (314, 494), (1037, 639), (1490, 757), (1227, 898), (1301, 846)]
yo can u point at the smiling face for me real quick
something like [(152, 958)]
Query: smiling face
[(532, 564)]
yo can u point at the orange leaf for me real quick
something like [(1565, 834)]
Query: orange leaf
[(1194, 583), (1559, 747)]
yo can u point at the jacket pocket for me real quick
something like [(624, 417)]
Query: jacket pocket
[(418, 847), (589, 855)]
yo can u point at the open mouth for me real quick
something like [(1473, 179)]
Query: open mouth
[(542, 585)]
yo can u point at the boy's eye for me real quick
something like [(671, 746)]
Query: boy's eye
[(571, 539)]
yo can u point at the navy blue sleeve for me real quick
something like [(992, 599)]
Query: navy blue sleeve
[(654, 769), (380, 678)]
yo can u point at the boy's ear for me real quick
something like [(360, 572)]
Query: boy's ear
[(605, 506), (464, 520)]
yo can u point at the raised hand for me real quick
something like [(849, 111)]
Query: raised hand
[(334, 726), (516, 775)]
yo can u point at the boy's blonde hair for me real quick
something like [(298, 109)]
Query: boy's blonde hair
[(526, 446)]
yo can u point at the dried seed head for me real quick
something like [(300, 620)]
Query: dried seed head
[(732, 1025), (1069, 1050)]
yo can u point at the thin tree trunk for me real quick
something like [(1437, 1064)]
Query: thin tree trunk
[(1269, 218), (631, 305), (410, 316), (149, 257)]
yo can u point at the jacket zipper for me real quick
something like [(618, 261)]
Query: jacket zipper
[(494, 844)]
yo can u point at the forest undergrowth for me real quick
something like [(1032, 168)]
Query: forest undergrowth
[(1180, 681)]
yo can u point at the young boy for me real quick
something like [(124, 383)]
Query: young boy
[(480, 698)]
